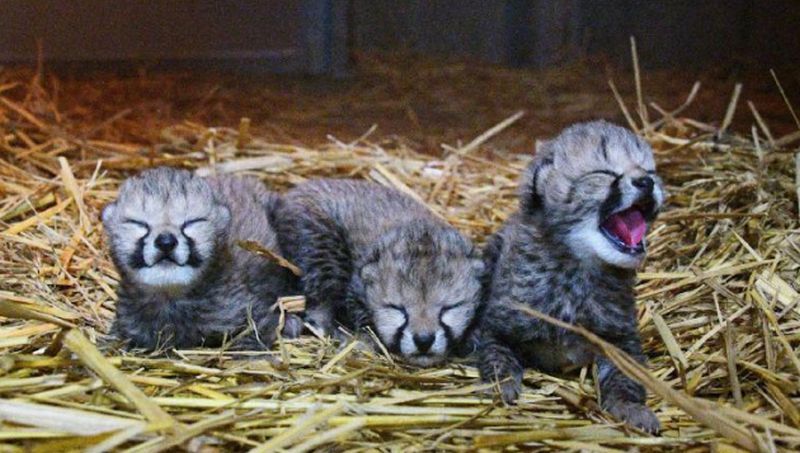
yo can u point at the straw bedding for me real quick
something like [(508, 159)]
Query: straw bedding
[(719, 304)]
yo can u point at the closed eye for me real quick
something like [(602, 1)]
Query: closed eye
[(193, 221), (452, 306), (399, 308), (575, 182), (445, 310), (601, 172), (138, 223)]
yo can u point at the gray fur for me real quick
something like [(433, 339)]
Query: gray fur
[(212, 289), (549, 256), (373, 257)]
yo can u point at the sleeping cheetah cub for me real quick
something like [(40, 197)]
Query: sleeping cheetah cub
[(184, 282), (571, 252), (373, 257)]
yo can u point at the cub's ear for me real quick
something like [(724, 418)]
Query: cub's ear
[(224, 215), (367, 266), (475, 256), (369, 273), (478, 265), (530, 197), (108, 212)]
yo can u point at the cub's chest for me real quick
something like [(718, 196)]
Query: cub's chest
[(199, 314), (559, 356), (569, 300)]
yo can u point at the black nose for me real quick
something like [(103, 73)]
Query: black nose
[(645, 184), (424, 341), (166, 242)]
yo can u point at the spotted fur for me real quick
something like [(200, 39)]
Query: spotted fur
[(373, 257), (202, 288), (552, 257)]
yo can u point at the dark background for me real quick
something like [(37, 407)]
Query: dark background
[(430, 71), (541, 32), (319, 36)]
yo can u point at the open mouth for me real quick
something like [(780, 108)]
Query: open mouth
[(626, 230)]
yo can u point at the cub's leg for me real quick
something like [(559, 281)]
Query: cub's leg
[(621, 396), (320, 249), (498, 363)]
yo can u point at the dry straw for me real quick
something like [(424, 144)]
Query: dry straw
[(719, 303)]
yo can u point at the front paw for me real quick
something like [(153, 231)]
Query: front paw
[(508, 390), (636, 415), (292, 326)]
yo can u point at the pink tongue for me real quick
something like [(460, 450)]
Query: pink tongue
[(629, 226)]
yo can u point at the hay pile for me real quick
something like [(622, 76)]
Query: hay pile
[(719, 303)]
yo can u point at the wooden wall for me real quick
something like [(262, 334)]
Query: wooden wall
[(540, 32), (271, 35), (316, 36)]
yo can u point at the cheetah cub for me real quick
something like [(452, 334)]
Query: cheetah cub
[(571, 252), (373, 257), (184, 282)]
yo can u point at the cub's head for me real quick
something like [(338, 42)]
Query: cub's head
[(422, 287), (595, 188), (165, 228)]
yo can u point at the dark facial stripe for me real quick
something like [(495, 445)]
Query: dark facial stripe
[(448, 331), (194, 257), (136, 260), (395, 346), (604, 147), (612, 201), (448, 334)]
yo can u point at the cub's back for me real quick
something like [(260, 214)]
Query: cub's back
[(362, 209), (250, 204)]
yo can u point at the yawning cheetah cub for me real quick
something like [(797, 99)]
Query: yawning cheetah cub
[(571, 252)]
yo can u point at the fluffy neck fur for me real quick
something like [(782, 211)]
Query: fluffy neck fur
[(552, 240), (602, 283)]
